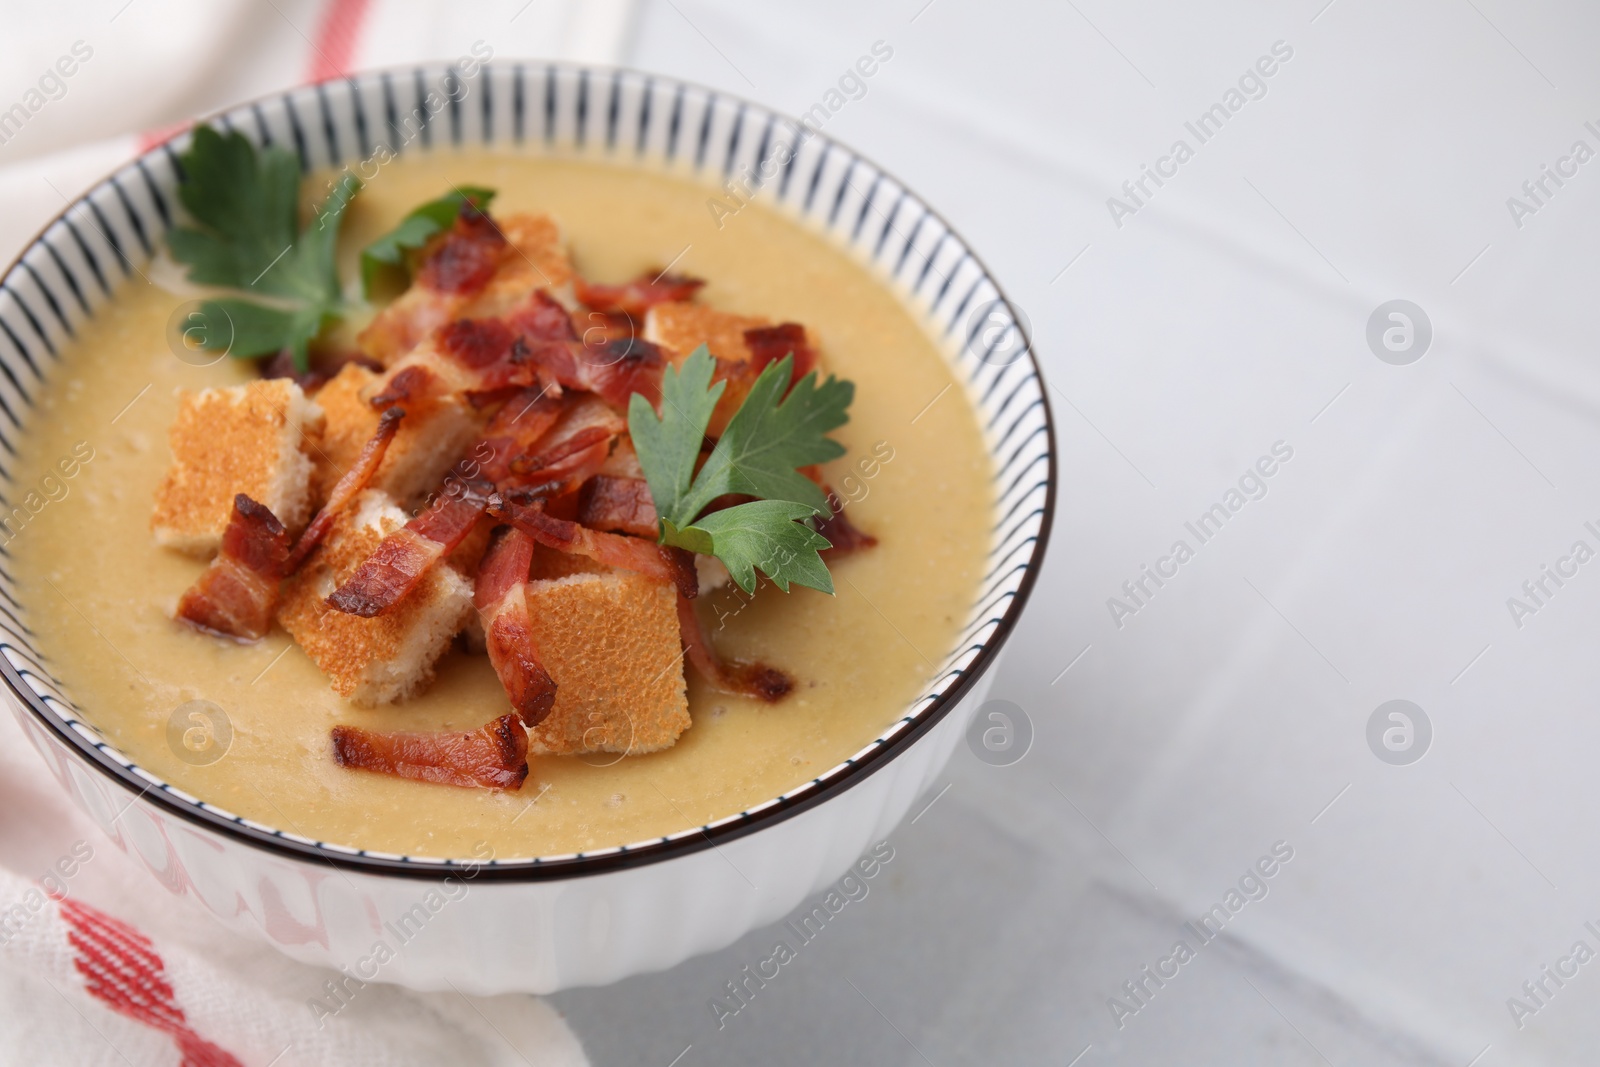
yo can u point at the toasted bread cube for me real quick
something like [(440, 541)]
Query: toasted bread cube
[(430, 440), (610, 642), (387, 657), (683, 327), (249, 439)]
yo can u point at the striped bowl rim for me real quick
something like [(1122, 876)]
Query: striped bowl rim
[(73, 266)]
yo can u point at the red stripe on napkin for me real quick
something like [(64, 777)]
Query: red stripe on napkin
[(120, 967), (337, 34)]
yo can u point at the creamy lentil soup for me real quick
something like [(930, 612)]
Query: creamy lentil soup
[(100, 594)]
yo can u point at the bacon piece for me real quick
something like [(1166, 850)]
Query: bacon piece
[(345, 489), (402, 559), (730, 676), (630, 553), (638, 296), (519, 425), (466, 355), (599, 327), (542, 318), (615, 370), (566, 465), (768, 344), (501, 596), (534, 345), (485, 356), (495, 755), (455, 267), (842, 534), (618, 505), (613, 367), (476, 343), (238, 592), (410, 383), (465, 260), (612, 370)]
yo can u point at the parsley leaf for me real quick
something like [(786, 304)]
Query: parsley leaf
[(414, 231), (771, 435), (762, 534), (245, 205), (672, 441), (768, 438)]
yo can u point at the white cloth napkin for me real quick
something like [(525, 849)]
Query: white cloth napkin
[(96, 965)]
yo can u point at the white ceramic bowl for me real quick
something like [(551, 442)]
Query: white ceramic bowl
[(542, 923)]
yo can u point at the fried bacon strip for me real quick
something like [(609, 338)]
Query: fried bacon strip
[(454, 269), (465, 261), (671, 565), (238, 592), (564, 466), (345, 489), (618, 505), (462, 356), (610, 366), (730, 676), (402, 558), (494, 756), (519, 425), (600, 326), (768, 344), (501, 597), (612, 370), (478, 356), (638, 296), (533, 345), (842, 534)]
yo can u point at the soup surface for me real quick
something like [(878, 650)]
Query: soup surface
[(100, 594)]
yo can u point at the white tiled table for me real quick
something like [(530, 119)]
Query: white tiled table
[(1225, 315)]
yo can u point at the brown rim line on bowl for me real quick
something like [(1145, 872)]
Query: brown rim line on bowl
[(658, 125)]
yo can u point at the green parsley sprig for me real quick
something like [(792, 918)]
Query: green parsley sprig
[(768, 439), (387, 253), (245, 206)]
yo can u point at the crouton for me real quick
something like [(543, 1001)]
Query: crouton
[(610, 641), (387, 657), (249, 439), (681, 328), (431, 438)]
